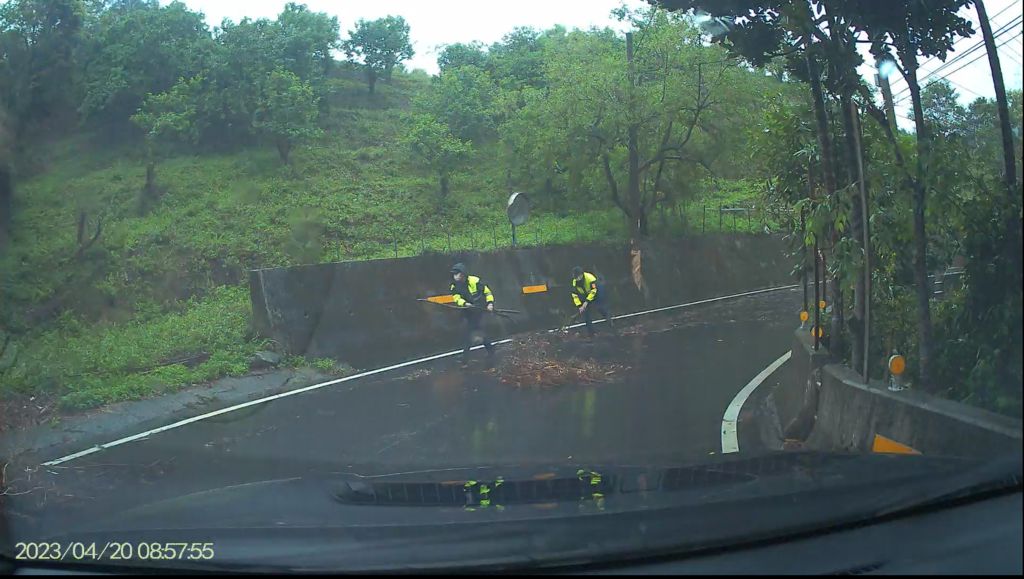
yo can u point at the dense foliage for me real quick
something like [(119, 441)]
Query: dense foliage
[(884, 209)]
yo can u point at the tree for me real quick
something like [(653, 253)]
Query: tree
[(517, 60), (1003, 108), (466, 98), (433, 143), (761, 32), (6, 178), (459, 54), (1013, 224), (636, 115), (38, 41), (247, 52), (947, 118), (381, 45), (167, 118), (910, 30), (138, 48), (287, 113), (305, 40)]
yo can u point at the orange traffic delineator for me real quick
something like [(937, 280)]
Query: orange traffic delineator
[(535, 289), (885, 445)]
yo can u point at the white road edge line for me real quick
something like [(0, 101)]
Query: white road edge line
[(188, 421), (730, 441)]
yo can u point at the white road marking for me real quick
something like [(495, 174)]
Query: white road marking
[(686, 305), (730, 442), (187, 421)]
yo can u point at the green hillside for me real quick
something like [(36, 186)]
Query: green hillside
[(170, 284)]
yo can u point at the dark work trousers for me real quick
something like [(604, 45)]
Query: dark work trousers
[(602, 307), (474, 326)]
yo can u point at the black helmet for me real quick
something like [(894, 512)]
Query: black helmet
[(576, 272), (459, 268)]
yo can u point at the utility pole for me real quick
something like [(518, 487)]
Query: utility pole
[(866, 243)]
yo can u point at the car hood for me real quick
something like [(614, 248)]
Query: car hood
[(538, 515)]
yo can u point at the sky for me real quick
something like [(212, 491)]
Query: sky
[(434, 23), (971, 75)]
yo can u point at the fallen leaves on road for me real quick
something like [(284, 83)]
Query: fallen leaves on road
[(20, 411), (416, 374), (536, 363)]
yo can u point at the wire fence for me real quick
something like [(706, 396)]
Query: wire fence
[(680, 220)]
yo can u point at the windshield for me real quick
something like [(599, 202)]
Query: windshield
[(273, 266)]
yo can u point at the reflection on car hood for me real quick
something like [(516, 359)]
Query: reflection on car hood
[(541, 514)]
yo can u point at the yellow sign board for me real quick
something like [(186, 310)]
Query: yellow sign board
[(447, 299), (804, 316), (885, 445), (535, 289)]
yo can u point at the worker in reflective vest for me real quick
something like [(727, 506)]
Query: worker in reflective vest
[(471, 293), (587, 294)]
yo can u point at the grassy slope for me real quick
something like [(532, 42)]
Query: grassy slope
[(160, 301)]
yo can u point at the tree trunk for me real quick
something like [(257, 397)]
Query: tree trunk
[(371, 78), (829, 174), (1009, 155), (444, 185), (284, 149), (151, 192), (638, 221), (923, 290), (6, 201), (857, 231), (1009, 159)]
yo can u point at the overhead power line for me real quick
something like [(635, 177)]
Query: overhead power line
[(906, 94), (1006, 28), (963, 38), (1002, 31)]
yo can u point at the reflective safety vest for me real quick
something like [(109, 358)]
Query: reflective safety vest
[(587, 291), (470, 291)]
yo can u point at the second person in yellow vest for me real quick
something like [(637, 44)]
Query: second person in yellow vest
[(587, 294)]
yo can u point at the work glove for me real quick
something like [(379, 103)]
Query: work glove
[(490, 307)]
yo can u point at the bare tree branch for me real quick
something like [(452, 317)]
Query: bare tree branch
[(613, 185)]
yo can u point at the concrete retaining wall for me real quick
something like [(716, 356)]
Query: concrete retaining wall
[(850, 414), (796, 403), (845, 414), (366, 313)]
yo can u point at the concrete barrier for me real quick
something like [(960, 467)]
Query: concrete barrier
[(839, 412), (852, 414), (796, 403), (365, 312)]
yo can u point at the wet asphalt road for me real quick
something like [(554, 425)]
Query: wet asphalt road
[(679, 371)]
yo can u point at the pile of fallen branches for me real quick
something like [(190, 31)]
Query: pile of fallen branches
[(535, 364)]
